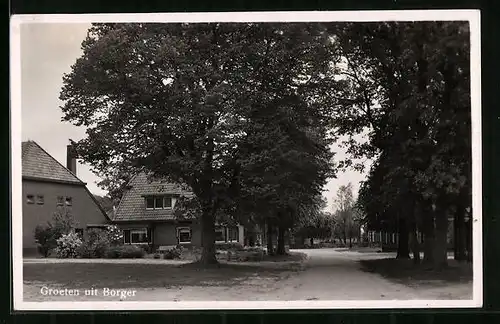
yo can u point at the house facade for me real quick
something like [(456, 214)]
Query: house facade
[(48, 188), (146, 216)]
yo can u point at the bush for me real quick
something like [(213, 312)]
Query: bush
[(113, 252), (174, 253), (124, 252), (114, 235), (45, 239), (229, 246), (67, 245), (95, 244), (131, 252), (85, 251)]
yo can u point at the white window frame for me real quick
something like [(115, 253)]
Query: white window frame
[(228, 229), (181, 229), (224, 234), (139, 231), (163, 202), (171, 202)]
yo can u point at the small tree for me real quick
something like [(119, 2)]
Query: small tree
[(45, 239), (63, 222)]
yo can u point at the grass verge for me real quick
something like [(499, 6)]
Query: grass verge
[(405, 272)]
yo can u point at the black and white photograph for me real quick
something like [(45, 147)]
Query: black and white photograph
[(271, 160)]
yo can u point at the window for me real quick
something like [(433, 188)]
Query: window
[(40, 200), (233, 234), (184, 235), (158, 202), (167, 202), (126, 236), (139, 236), (150, 203), (60, 200), (136, 236), (30, 199), (220, 234), (69, 201)]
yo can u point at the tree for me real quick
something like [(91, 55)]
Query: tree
[(105, 202), (344, 214), (176, 100), (407, 84), (313, 221), (46, 235)]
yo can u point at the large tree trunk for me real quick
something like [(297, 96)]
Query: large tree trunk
[(208, 238), (415, 246), (469, 239), (460, 234), (270, 247), (441, 245), (403, 248), (281, 240), (429, 236)]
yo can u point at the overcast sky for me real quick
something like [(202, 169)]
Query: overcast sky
[(47, 52)]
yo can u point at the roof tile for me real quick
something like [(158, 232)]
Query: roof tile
[(132, 205), (37, 163)]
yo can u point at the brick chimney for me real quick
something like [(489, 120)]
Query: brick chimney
[(71, 159)]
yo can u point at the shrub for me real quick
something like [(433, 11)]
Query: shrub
[(229, 246), (85, 251), (124, 252), (62, 222), (45, 239), (113, 252), (131, 252), (174, 253), (114, 235), (67, 245), (95, 244)]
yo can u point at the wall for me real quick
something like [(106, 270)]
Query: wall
[(84, 210), (165, 233)]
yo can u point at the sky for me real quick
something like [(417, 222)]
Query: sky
[(48, 50)]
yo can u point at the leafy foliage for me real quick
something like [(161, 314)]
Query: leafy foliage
[(67, 245), (407, 90), (44, 237), (124, 252), (180, 101)]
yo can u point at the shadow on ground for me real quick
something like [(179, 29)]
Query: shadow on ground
[(407, 273)]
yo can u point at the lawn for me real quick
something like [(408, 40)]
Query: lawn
[(85, 275), (405, 272)]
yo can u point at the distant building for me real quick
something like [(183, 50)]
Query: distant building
[(49, 187)]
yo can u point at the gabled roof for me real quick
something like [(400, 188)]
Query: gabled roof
[(37, 164), (40, 165), (132, 205)]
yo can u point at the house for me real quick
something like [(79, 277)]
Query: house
[(146, 216), (48, 187)]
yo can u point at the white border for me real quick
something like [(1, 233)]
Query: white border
[(473, 16)]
